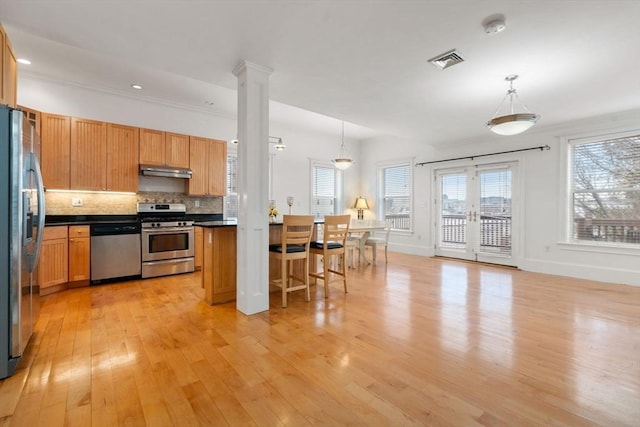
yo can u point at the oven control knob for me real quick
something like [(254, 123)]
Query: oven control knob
[(156, 225)]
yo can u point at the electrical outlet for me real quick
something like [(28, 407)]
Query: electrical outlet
[(76, 201), (197, 203)]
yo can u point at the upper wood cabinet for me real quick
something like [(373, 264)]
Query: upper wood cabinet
[(164, 148), (208, 161), (122, 158), (88, 155), (55, 137), (8, 71), (32, 116)]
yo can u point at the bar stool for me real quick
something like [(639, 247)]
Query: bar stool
[(296, 237), (336, 229)]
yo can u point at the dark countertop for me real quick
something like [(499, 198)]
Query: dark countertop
[(51, 220)]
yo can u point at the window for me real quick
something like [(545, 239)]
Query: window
[(326, 189), (394, 194), (604, 194), (231, 200)]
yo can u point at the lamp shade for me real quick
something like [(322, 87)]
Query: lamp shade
[(361, 203), (512, 124)]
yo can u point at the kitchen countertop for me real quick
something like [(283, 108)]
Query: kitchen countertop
[(52, 220)]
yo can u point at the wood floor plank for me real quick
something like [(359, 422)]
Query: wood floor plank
[(418, 341)]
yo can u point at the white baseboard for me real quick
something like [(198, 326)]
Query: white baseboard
[(582, 271)]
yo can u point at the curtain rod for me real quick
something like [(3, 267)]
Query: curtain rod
[(542, 147)]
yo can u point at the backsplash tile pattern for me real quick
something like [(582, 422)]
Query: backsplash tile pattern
[(124, 204)]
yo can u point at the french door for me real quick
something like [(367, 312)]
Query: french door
[(475, 213)]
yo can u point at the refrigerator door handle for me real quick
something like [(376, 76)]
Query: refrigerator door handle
[(34, 165)]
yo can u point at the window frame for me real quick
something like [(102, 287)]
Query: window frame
[(338, 186), (567, 242), (380, 197)]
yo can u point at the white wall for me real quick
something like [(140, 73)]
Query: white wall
[(541, 246), (291, 166), (541, 249)]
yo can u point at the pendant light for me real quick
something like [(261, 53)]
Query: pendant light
[(512, 123), (343, 160)]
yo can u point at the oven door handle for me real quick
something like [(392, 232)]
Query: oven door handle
[(166, 230)]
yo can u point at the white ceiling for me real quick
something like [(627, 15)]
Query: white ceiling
[(364, 62)]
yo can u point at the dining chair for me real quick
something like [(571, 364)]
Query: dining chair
[(296, 238), (376, 240), (334, 237)]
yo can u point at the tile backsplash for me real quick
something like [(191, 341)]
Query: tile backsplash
[(60, 203)]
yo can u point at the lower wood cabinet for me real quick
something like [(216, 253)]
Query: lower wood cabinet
[(54, 259), (219, 265), (79, 253), (65, 259)]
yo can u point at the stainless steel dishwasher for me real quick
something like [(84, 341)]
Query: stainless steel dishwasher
[(115, 252)]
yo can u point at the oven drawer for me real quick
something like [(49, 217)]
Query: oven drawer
[(167, 267)]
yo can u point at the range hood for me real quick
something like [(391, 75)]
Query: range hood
[(165, 171)]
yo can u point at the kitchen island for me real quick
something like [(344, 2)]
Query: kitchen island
[(219, 262)]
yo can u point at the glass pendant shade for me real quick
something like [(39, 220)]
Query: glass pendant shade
[(343, 160), (512, 123)]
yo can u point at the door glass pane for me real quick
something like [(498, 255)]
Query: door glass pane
[(453, 217), (495, 211)]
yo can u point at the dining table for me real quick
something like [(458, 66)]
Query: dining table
[(360, 231)]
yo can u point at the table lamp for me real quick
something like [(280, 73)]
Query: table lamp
[(361, 205)]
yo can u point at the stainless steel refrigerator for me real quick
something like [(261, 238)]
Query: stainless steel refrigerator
[(22, 214)]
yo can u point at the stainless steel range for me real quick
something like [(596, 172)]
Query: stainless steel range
[(167, 239)]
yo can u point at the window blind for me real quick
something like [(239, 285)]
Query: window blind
[(495, 211), (397, 196), (605, 190), (323, 198), (231, 200)]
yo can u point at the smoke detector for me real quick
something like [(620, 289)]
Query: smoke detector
[(447, 59), (494, 24)]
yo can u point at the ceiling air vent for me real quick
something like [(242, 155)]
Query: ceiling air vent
[(447, 59)]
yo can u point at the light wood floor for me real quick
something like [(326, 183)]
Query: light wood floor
[(421, 342)]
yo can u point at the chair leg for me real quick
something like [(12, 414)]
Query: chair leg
[(326, 276), (385, 254), (374, 249), (306, 279), (285, 281), (344, 273)]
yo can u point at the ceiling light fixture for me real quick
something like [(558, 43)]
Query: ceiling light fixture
[(24, 61), (137, 86), (278, 144), (343, 160), (512, 123)]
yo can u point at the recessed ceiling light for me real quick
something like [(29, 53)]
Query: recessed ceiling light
[(136, 86), (24, 61)]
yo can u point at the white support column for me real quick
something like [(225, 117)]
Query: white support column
[(253, 179)]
